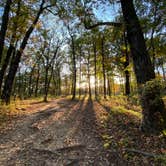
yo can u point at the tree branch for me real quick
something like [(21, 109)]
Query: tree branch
[(55, 14), (115, 24)]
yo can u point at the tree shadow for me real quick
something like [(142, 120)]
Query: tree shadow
[(107, 108), (38, 102)]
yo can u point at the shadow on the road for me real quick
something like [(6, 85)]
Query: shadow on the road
[(106, 108), (39, 102)]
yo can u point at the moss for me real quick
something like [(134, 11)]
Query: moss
[(153, 87), (154, 114), (121, 109)]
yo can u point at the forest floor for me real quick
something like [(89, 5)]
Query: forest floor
[(83, 132)]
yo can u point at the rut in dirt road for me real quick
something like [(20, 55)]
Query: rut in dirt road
[(65, 133)]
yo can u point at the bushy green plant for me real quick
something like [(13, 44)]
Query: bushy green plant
[(154, 114)]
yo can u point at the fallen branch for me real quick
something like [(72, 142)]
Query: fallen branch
[(141, 152), (73, 161), (73, 147)]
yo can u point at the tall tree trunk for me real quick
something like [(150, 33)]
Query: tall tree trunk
[(142, 63), (109, 86), (37, 82), (103, 66), (143, 68), (95, 67), (11, 47), (30, 81), (6, 93), (20, 85), (59, 82), (46, 84), (126, 64), (74, 69), (48, 80), (89, 83), (80, 74), (5, 19), (55, 82), (25, 83), (5, 64)]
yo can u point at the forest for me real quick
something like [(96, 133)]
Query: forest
[(82, 82)]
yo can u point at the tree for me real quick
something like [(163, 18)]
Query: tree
[(103, 65), (13, 42), (6, 93), (49, 59), (5, 19), (74, 68), (126, 65), (95, 66), (88, 74), (142, 65), (73, 55)]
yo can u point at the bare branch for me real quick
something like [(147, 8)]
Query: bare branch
[(115, 24), (55, 14)]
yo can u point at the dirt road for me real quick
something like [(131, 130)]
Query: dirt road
[(58, 133)]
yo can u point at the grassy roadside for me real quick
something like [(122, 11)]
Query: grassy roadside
[(15, 109)]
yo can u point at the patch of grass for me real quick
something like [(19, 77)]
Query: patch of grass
[(126, 103), (14, 109), (121, 109), (7, 112)]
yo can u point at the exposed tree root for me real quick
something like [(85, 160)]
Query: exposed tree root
[(73, 147), (73, 161)]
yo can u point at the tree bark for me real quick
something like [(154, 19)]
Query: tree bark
[(89, 83), (6, 93), (95, 67), (46, 84), (126, 64), (58, 82), (11, 47), (5, 64), (74, 69), (49, 65), (80, 73), (37, 82), (5, 19), (109, 86), (30, 89), (103, 66), (55, 76), (141, 59)]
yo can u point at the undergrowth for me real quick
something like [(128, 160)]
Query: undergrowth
[(121, 131), (14, 109)]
